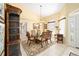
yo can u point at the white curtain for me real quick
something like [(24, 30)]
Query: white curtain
[(62, 26), (1, 37), (51, 26), (73, 28)]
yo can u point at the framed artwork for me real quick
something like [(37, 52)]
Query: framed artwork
[(36, 26), (2, 30), (45, 26)]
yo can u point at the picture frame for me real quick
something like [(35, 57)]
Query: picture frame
[(36, 26)]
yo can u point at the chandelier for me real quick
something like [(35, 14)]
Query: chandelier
[(40, 11)]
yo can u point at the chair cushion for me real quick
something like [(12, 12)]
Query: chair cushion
[(32, 38)]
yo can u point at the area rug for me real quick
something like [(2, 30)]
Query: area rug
[(34, 48), (73, 54)]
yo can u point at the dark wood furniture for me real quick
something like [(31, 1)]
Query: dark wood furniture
[(12, 34), (45, 37), (45, 26), (59, 38), (30, 38), (39, 39), (49, 33)]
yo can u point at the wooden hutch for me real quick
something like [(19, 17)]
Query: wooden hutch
[(12, 34)]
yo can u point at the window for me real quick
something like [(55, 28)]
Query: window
[(62, 26), (51, 25)]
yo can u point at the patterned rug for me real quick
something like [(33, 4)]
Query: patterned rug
[(34, 48), (73, 54)]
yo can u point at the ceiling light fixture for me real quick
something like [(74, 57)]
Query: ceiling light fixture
[(40, 11)]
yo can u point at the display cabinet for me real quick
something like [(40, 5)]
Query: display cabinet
[(12, 34)]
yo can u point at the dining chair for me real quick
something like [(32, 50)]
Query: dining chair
[(49, 33), (44, 38), (30, 38)]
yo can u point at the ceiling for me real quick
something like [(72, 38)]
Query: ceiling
[(46, 9)]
